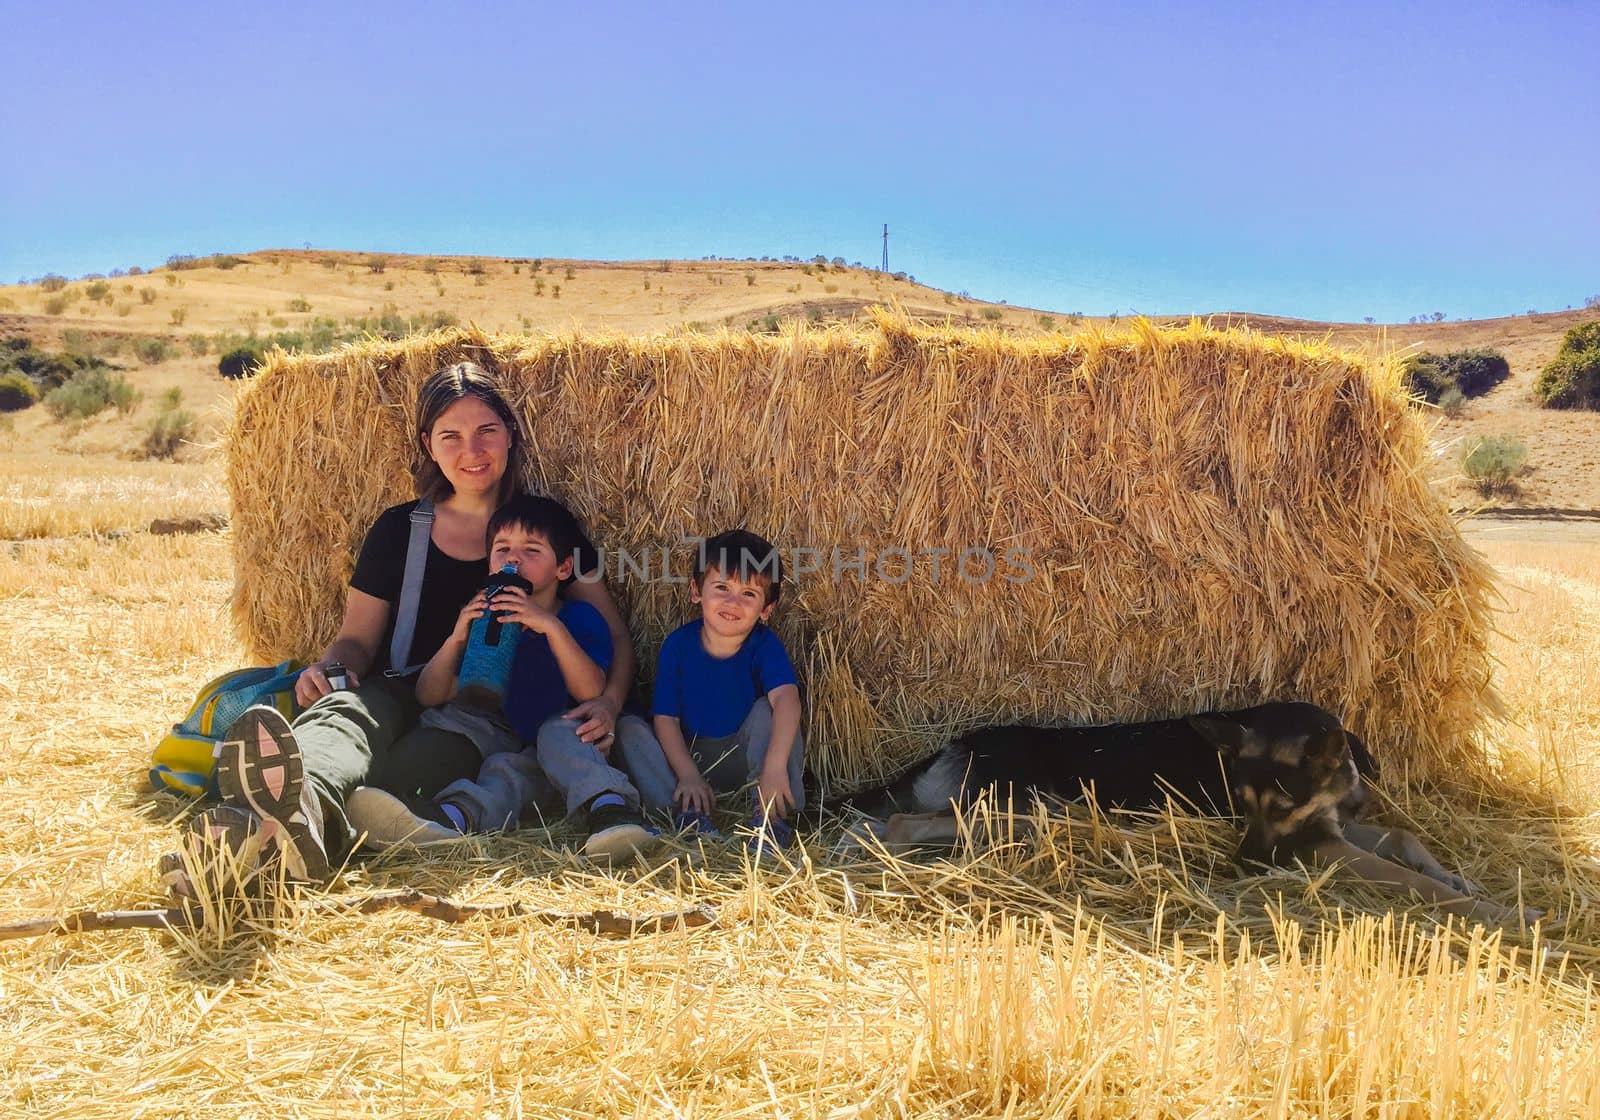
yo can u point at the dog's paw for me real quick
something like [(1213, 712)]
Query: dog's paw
[(1460, 883)]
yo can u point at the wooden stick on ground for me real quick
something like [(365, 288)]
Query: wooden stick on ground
[(606, 923)]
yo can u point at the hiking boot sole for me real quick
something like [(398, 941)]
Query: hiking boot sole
[(383, 820), (261, 769)]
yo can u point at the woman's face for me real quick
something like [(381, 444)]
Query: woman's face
[(471, 444)]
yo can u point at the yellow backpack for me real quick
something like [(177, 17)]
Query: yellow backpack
[(186, 759)]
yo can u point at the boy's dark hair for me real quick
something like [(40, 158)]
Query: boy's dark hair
[(533, 514), (740, 552)]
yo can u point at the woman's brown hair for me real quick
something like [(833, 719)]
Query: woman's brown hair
[(438, 393)]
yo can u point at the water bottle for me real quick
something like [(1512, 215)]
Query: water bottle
[(491, 646)]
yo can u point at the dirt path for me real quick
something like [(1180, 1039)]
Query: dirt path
[(1577, 528)]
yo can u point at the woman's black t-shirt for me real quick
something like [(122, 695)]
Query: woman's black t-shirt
[(447, 583)]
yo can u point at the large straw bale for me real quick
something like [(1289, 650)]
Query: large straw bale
[(1211, 517)]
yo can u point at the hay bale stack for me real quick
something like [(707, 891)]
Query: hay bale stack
[(1207, 518)]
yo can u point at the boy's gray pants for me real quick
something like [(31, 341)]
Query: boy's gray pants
[(577, 769), (507, 783), (728, 763)]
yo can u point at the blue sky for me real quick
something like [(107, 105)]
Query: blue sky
[(1328, 161)]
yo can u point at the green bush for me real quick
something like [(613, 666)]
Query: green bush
[(170, 430), (992, 314), (55, 305), (50, 282), (239, 362), (153, 351), (44, 369), (89, 393), (225, 261), (1494, 461), (1452, 402), (1572, 379), (99, 290), (17, 392), (1471, 373)]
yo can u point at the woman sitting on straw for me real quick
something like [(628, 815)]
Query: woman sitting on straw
[(284, 788)]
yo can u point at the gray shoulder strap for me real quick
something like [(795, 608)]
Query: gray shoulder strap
[(405, 622)]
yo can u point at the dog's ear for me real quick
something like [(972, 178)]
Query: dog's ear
[(1224, 734), (1366, 765)]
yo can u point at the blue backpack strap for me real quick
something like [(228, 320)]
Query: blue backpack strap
[(405, 621)]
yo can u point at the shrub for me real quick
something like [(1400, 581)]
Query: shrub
[(225, 262), (299, 304), (377, 263), (570, 274), (55, 305), (992, 314), (171, 429), (77, 341), (17, 392), (153, 351), (178, 315), (99, 290), (198, 344), (1452, 402), (1471, 373), (90, 392), (50, 282), (180, 261), (1494, 461), (1572, 379), (45, 370), (1047, 322), (239, 362)]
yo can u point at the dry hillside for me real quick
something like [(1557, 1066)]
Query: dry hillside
[(263, 293)]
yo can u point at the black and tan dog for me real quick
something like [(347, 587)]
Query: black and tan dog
[(1290, 771)]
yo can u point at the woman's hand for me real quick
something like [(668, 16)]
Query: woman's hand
[(312, 683), (597, 722)]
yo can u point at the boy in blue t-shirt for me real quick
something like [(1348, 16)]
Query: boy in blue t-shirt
[(726, 711), (561, 658)]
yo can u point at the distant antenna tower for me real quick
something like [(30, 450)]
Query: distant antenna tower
[(886, 246)]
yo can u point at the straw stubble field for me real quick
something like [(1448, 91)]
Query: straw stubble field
[(1115, 967)]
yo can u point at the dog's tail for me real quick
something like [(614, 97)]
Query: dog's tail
[(927, 787)]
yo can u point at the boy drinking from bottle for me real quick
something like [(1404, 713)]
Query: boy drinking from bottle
[(561, 658)]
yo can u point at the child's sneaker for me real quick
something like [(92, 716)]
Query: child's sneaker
[(616, 831), (382, 820), (769, 834), (694, 823)]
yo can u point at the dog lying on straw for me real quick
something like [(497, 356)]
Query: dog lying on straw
[(1291, 771)]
